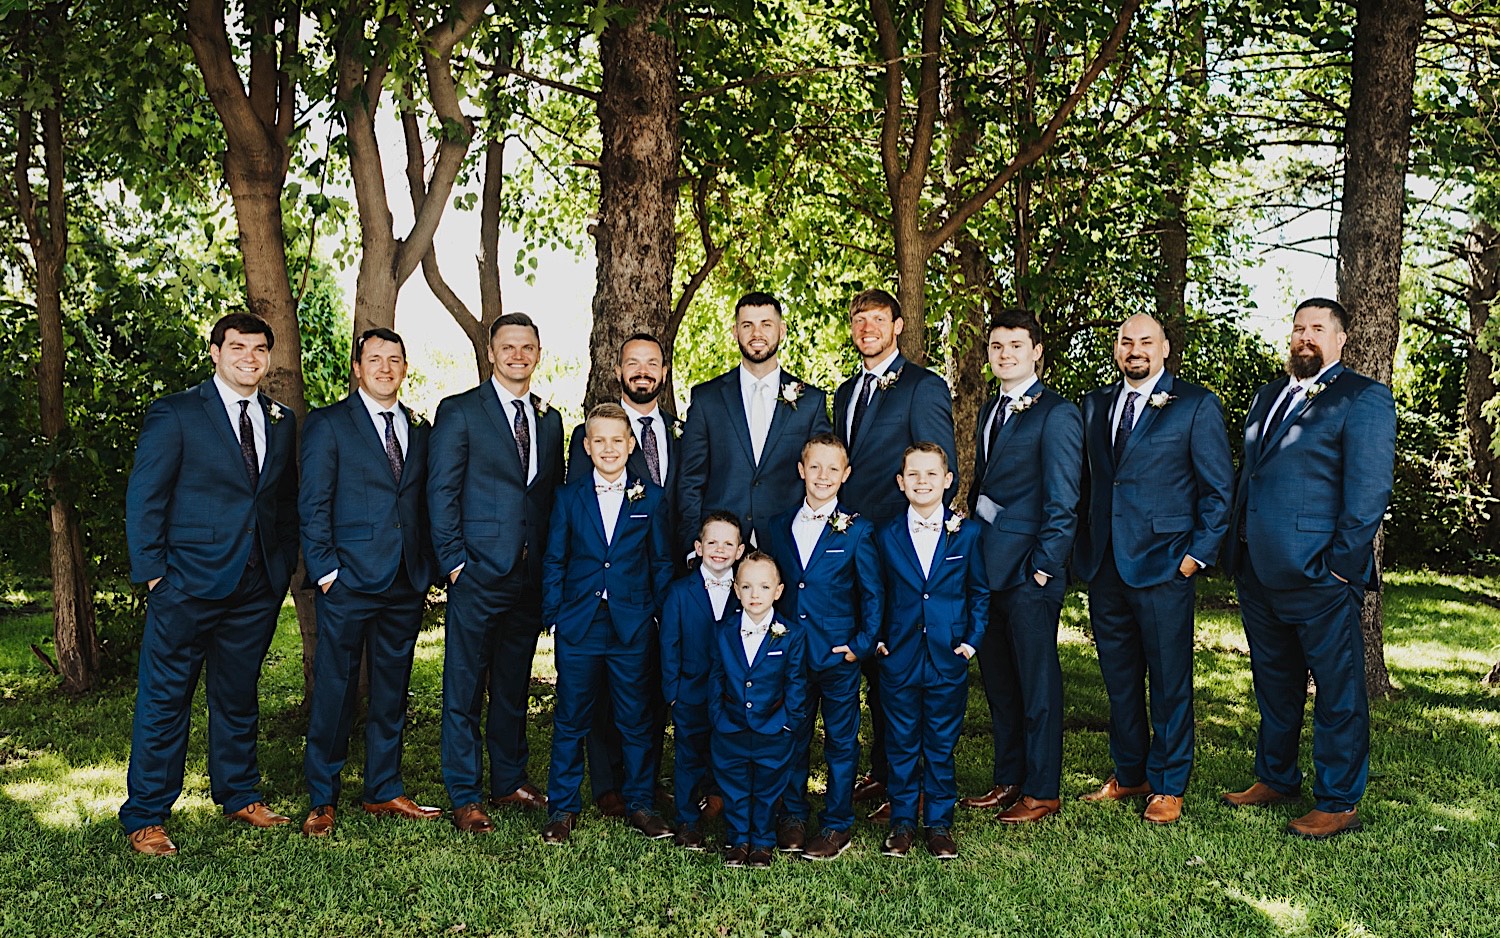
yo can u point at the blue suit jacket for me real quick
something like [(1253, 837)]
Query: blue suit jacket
[(718, 468), (932, 615), (484, 514), (839, 598), (1168, 497), (1033, 474), (1313, 495), (190, 514), (579, 466), (355, 518), (689, 636), (917, 408), (634, 567), (769, 696)]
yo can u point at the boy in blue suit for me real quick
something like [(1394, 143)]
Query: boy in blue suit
[(690, 617), (757, 694), (605, 572), (833, 568), (936, 608)]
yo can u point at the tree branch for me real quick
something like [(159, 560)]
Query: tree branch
[(545, 82), (209, 39)]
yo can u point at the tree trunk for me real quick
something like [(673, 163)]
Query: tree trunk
[(635, 236), (1482, 251), (1172, 272), (1377, 140)]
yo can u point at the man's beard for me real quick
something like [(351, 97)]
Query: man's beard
[(1136, 370), (1301, 366), (638, 395), (756, 358)]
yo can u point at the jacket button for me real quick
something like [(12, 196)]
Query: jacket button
[(748, 705), (749, 683), (606, 564), (804, 615), (801, 586), (596, 592), (926, 596), (398, 524)]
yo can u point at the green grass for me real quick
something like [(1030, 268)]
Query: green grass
[(1427, 864)]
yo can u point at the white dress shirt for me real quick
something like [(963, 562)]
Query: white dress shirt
[(923, 539), (509, 410), (762, 392), (1304, 383), (752, 642), (231, 400), (403, 429), (1020, 392), (658, 429), (859, 387), (1145, 389), (718, 596), (610, 502), (808, 526)]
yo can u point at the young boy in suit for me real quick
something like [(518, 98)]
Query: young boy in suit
[(757, 694), (605, 572), (936, 606), (836, 595), (690, 618)]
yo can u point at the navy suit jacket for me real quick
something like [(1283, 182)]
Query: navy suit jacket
[(917, 408), (689, 636), (718, 468), (355, 518), (581, 467), (1033, 474), (634, 567), (934, 614), (769, 696), (484, 514), (839, 598), (190, 513), (1168, 497), (1312, 496)]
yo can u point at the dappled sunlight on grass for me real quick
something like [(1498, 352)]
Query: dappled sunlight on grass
[(62, 796), (1286, 915)]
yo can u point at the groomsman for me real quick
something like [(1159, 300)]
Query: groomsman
[(1319, 454), (367, 545), (494, 463), (211, 517), (1028, 458), (745, 430), (886, 406), (1158, 478)]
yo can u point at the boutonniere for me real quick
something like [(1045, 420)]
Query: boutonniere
[(1022, 404), (777, 630), (840, 521), (635, 493), (1315, 390), (540, 406), (415, 417), (676, 427), (888, 380), (1160, 399), (276, 412), (792, 392), (954, 522)]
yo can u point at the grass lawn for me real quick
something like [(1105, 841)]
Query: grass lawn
[(1428, 863)]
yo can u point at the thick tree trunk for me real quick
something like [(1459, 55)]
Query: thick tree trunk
[(1377, 140), (1482, 251), (635, 236), (1172, 273)]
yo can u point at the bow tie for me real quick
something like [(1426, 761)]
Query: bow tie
[(805, 515), (714, 583), (751, 630), (618, 486), (933, 525)]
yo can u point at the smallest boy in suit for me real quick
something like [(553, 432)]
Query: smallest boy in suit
[(936, 606), (690, 618), (757, 693), (605, 572)]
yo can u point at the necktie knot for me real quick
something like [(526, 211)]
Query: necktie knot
[(645, 423), (244, 408), (616, 486), (389, 417)]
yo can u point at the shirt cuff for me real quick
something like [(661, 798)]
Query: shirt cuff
[(1201, 564), (455, 570), (329, 578)]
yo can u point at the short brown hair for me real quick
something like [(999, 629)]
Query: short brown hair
[(874, 298), (1015, 317), (515, 319), (759, 556), (606, 411), (925, 446), (245, 324), (720, 516), (824, 439)]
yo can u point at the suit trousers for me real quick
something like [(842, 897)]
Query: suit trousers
[(691, 756), (185, 636), (490, 640), (1023, 684), (1146, 636), (836, 690), (349, 623), (879, 764), (925, 716), (584, 664), (751, 769), (606, 756), (1291, 632)]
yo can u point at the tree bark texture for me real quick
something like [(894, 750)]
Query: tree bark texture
[(1377, 140), (1481, 249)]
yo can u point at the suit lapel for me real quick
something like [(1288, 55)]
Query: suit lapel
[(273, 437), (1145, 416), (734, 403), (1009, 428), (765, 644), (1099, 428), (625, 504), (416, 447), (219, 417), (541, 444), (364, 427), (781, 414), (489, 401), (1296, 411), (907, 550)]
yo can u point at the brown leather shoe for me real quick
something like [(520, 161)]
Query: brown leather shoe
[(1112, 790), (881, 815), (760, 858), (1163, 809), (472, 819), (528, 796), (1258, 795), (559, 828), (1001, 796), (737, 855), (898, 842), (610, 804), (258, 815), (152, 841), (1321, 825), (791, 835), (940, 843), (711, 806), (664, 799), (689, 838), (319, 821), (828, 845), (650, 824), (402, 806), (1029, 809), (867, 788)]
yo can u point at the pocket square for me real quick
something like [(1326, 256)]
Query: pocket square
[(955, 557), (772, 654), (834, 550), (640, 516)]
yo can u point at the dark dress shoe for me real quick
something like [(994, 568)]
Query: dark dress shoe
[(689, 838), (791, 835), (650, 823), (898, 842), (1259, 795), (867, 788), (663, 797), (471, 819), (527, 796), (1029, 809), (760, 858), (1001, 796), (828, 845), (402, 806), (559, 828), (881, 815), (1321, 825), (152, 841), (319, 822), (258, 815), (610, 804), (1112, 790), (711, 806), (940, 843), (737, 855)]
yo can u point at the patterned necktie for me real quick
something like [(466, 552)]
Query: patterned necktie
[(247, 446), (861, 404), (648, 448), (393, 446), (1002, 411), (522, 430), (1281, 411), (1127, 423)]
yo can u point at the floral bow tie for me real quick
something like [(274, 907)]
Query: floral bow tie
[(618, 486), (715, 583), (750, 630), (805, 515), (933, 525)]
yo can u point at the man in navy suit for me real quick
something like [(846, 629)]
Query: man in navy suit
[(1320, 448), (1028, 458), (642, 373), (211, 517), (1156, 506), (606, 571), (494, 463), (365, 537), (745, 430), (886, 406)]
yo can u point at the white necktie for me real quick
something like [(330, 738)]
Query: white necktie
[(760, 420)]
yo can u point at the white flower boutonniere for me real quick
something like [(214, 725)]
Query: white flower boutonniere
[(676, 427), (954, 522), (416, 417), (777, 630), (276, 412), (1315, 390), (540, 406), (1022, 404), (635, 493), (888, 380), (840, 521), (792, 392), (1160, 399)]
